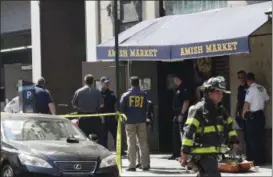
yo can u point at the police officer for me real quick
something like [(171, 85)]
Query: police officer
[(110, 122), (43, 101), (207, 126), (149, 124), (133, 104), (253, 112), (88, 100), (181, 101), (241, 93)]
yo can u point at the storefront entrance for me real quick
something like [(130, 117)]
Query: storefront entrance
[(165, 98)]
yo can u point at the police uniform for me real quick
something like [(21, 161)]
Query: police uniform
[(181, 94), (110, 122), (255, 122), (207, 127), (133, 104), (241, 93)]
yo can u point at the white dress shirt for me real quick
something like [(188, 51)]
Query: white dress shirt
[(256, 95), (13, 106)]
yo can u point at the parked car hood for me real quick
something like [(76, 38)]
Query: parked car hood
[(61, 150)]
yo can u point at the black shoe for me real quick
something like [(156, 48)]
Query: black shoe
[(123, 153), (173, 157), (138, 166), (131, 169), (146, 169)]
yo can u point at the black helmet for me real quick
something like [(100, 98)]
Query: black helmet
[(216, 83)]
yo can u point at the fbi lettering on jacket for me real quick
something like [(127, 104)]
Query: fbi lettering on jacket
[(136, 101)]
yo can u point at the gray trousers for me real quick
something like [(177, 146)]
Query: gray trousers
[(138, 150), (137, 133)]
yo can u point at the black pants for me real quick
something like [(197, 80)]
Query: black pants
[(177, 130), (242, 124), (207, 166), (255, 137), (92, 125), (110, 125)]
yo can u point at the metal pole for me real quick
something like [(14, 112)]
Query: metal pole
[(116, 20)]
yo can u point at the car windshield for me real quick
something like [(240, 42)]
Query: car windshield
[(40, 129)]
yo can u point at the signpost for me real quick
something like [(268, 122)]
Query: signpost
[(116, 19), (26, 96)]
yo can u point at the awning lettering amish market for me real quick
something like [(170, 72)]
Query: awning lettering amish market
[(209, 49), (139, 53), (134, 53)]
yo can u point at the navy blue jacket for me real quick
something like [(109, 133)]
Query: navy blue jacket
[(133, 104), (43, 98)]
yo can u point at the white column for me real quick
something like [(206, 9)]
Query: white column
[(150, 9), (36, 40), (92, 30)]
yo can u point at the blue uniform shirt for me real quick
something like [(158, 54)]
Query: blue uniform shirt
[(133, 104), (181, 94), (42, 99), (241, 95)]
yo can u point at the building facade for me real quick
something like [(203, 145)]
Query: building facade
[(15, 46)]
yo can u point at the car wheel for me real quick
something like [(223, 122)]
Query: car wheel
[(7, 171)]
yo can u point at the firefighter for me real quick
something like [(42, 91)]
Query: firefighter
[(208, 126)]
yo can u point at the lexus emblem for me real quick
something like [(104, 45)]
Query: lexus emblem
[(77, 167)]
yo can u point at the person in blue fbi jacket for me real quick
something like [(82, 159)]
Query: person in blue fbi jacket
[(133, 104)]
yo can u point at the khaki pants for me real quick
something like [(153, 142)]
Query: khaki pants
[(138, 151), (137, 132)]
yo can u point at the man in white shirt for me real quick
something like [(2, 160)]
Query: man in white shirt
[(253, 112), (13, 106)]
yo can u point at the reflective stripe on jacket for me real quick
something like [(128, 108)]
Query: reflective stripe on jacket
[(206, 128)]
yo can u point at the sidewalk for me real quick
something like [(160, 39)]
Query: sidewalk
[(160, 166)]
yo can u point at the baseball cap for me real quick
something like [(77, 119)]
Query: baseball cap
[(104, 79)]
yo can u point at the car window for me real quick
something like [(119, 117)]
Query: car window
[(32, 129)]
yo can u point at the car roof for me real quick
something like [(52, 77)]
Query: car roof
[(5, 115)]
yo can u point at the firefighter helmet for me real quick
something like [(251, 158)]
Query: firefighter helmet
[(218, 83)]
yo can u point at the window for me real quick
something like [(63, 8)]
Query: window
[(131, 11), (249, 2), (175, 7)]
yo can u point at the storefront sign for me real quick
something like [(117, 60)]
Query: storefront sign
[(26, 96), (210, 49), (135, 53)]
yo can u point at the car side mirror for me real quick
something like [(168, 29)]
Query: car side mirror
[(93, 137)]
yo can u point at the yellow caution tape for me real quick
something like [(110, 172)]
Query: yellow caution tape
[(119, 130)]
